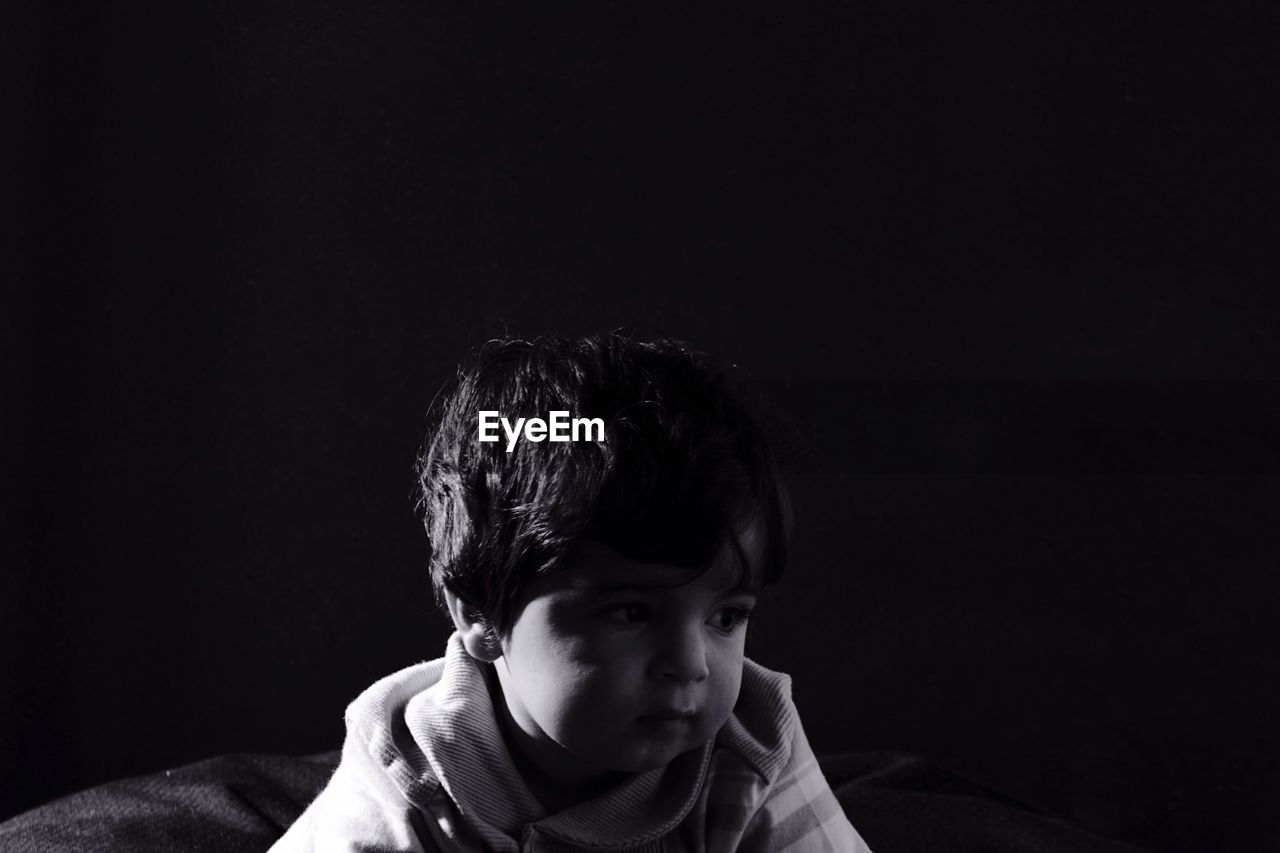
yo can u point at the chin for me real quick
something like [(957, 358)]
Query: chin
[(642, 760)]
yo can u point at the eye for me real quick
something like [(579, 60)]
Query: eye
[(630, 613), (729, 619)]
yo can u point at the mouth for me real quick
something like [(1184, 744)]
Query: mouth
[(669, 715)]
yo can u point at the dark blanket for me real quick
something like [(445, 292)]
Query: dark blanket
[(243, 803)]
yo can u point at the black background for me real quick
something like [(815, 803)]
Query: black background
[(1006, 266)]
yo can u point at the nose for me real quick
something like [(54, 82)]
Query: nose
[(682, 656)]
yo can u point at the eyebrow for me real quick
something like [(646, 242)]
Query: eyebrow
[(642, 586), (631, 586)]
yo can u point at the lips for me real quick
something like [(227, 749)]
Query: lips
[(669, 715)]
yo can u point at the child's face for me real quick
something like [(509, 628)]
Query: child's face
[(613, 665)]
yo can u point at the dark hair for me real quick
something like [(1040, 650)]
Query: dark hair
[(683, 466)]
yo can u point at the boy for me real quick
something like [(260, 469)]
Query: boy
[(602, 515)]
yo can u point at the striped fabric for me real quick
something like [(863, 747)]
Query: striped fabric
[(424, 768)]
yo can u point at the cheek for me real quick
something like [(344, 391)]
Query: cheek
[(567, 683), (726, 678)]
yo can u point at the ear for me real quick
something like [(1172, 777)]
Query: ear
[(478, 638)]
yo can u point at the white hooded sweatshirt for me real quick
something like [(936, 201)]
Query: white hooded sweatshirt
[(424, 768)]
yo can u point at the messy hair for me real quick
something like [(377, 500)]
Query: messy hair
[(683, 467)]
